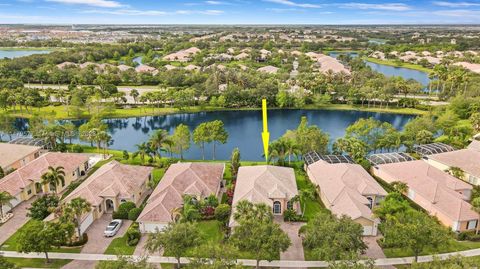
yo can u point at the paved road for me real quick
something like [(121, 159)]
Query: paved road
[(286, 264), (97, 243), (18, 220)]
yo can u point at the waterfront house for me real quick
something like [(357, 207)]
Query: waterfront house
[(15, 156), (196, 179)]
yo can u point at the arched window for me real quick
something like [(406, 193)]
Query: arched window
[(290, 205), (277, 208)]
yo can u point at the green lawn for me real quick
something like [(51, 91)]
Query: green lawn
[(119, 246), (452, 247), (312, 206), (11, 243), (37, 263)]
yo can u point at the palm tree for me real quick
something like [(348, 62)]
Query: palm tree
[(142, 150), (303, 196), (188, 212), (278, 151), (53, 176), (158, 141), (399, 186), (291, 149), (75, 210), (5, 200), (104, 139)]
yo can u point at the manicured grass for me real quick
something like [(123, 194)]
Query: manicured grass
[(11, 244), (37, 263), (390, 109), (312, 206), (119, 246), (451, 247), (397, 64)]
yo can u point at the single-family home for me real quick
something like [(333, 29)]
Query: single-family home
[(197, 179), (468, 159), (25, 182), (274, 186), (112, 184), (15, 156), (346, 188), (439, 193), (268, 69)]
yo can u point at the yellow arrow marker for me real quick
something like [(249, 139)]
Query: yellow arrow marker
[(265, 133)]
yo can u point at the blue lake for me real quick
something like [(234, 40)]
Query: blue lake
[(244, 128), (5, 53)]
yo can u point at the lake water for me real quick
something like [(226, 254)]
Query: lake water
[(5, 53), (390, 71), (244, 128)]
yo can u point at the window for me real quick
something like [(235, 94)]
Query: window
[(277, 208), (289, 205), (370, 202), (100, 208), (473, 180), (472, 225), (29, 191), (123, 201)]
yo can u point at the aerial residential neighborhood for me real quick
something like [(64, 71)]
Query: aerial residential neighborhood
[(238, 134)]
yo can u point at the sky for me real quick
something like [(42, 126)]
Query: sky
[(239, 12)]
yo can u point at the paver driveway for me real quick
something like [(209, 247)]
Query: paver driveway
[(295, 251), (97, 243), (374, 251), (18, 220)]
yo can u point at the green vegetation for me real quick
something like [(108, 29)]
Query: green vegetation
[(399, 64), (37, 263)]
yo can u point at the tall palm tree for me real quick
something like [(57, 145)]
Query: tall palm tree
[(53, 176), (142, 150), (75, 210), (291, 149), (5, 200), (104, 139), (278, 151), (159, 140), (303, 196)]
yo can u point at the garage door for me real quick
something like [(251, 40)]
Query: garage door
[(86, 222), (151, 227), (367, 230), (14, 203)]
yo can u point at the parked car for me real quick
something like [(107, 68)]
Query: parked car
[(113, 228)]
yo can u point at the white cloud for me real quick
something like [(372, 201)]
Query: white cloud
[(215, 3), (458, 13), (387, 6), (293, 4), (95, 3), (135, 12), (455, 4)]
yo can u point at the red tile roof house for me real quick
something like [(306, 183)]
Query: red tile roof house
[(274, 186), (347, 189), (15, 156), (197, 179), (112, 184), (466, 159), (441, 194), (25, 182)]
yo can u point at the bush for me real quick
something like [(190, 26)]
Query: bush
[(165, 163), (78, 243), (123, 210), (134, 213), (222, 213), (468, 235), (133, 235), (40, 208), (291, 215), (76, 148)]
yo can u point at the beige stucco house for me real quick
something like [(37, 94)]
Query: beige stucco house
[(197, 179), (112, 184), (347, 189), (15, 156), (439, 193), (25, 182), (274, 186)]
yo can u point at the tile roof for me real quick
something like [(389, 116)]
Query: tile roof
[(466, 159), (345, 186), (199, 179), (14, 182), (112, 180), (438, 188), (263, 183), (12, 152)]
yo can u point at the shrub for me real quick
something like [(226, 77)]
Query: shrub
[(468, 235), (123, 210), (291, 215), (77, 148), (134, 213), (133, 235), (208, 212), (165, 163), (41, 207), (222, 213), (79, 242)]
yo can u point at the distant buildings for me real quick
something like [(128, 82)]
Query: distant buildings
[(197, 179), (272, 185), (182, 55)]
